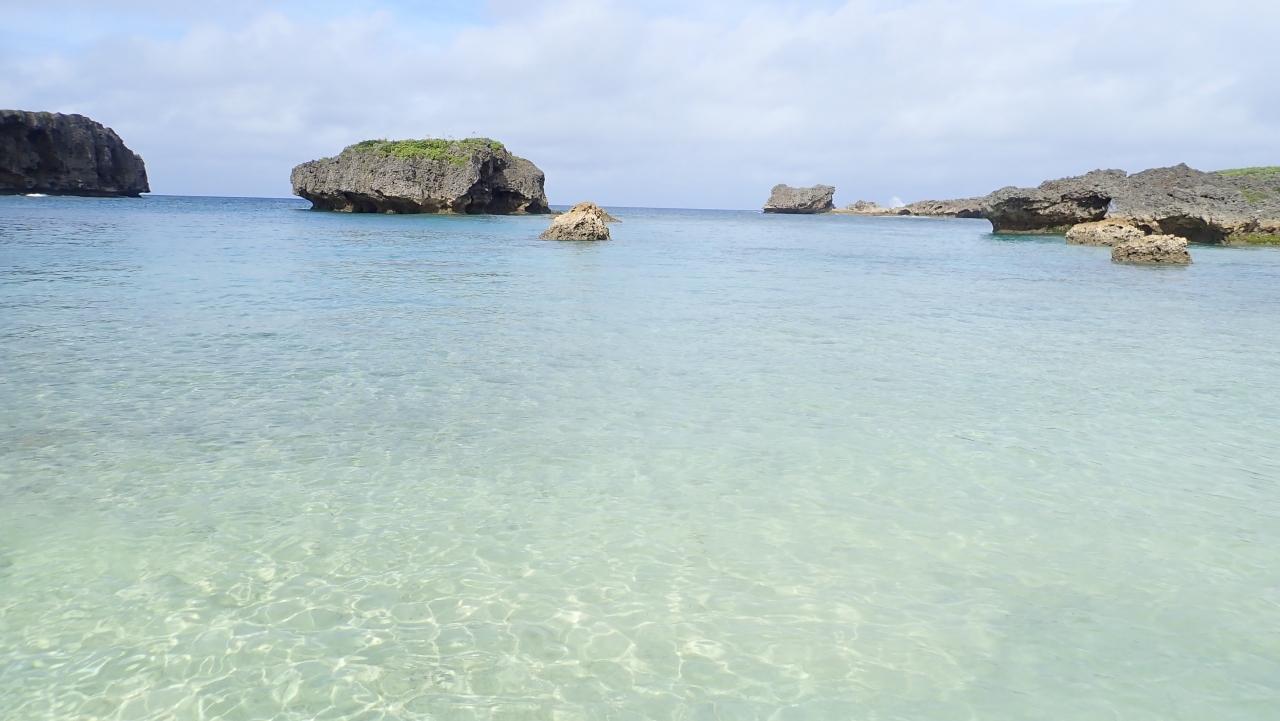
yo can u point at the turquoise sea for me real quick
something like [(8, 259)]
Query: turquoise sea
[(264, 463)]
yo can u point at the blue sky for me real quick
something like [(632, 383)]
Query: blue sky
[(666, 103)]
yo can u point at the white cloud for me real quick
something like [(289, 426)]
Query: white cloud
[(658, 105)]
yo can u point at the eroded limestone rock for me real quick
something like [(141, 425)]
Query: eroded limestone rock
[(1152, 250), (786, 199), (584, 221), (476, 175)]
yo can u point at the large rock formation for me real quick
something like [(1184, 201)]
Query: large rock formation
[(786, 199), (59, 154), (476, 175), (1223, 207), (584, 221), (1104, 207), (1152, 250), (1201, 207), (1053, 206)]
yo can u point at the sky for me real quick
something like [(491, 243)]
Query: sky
[(665, 103)]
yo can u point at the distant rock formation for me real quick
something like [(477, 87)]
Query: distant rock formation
[(786, 199), (962, 208), (1103, 232), (1102, 207), (475, 175), (1152, 250), (867, 207), (59, 154), (1224, 207), (584, 221)]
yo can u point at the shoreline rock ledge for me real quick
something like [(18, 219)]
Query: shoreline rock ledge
[(959, 208), (57, 154), (1226, 207), (786, 199), (469, 176)]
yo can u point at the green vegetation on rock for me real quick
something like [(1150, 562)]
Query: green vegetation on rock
[(1259, 186), (1255, 197), (1254, 239), (450, 151), (1268, 171)]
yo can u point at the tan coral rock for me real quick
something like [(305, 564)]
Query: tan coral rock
[(1152, 250), (1103, 232), (584, 221), (587, 206)]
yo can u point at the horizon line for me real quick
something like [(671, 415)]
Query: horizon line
[(294, 197)]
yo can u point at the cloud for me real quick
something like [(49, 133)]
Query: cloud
[(659, 104)]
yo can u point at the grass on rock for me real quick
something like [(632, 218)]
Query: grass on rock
[(450, 151), (1254, 239), (1268, 171), (1255, 197), (1264, 182)]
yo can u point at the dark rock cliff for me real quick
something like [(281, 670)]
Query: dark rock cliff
[(59, 154)]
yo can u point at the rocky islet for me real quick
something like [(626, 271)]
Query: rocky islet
[(802, 201), (470, 176), (66, 154), (584, 221)]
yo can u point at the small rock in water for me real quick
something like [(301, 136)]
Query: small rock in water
[(1152, 250), (584, 221)]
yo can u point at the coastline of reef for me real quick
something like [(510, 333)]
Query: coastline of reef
[(1226, 207)]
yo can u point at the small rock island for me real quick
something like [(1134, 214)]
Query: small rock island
[(58, 154), (584, 221), (469, 176), (1152, 250), (786, 199)]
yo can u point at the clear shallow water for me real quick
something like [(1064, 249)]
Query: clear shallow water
[(263, 463)]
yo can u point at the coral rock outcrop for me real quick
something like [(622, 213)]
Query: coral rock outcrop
[(475, 175)]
